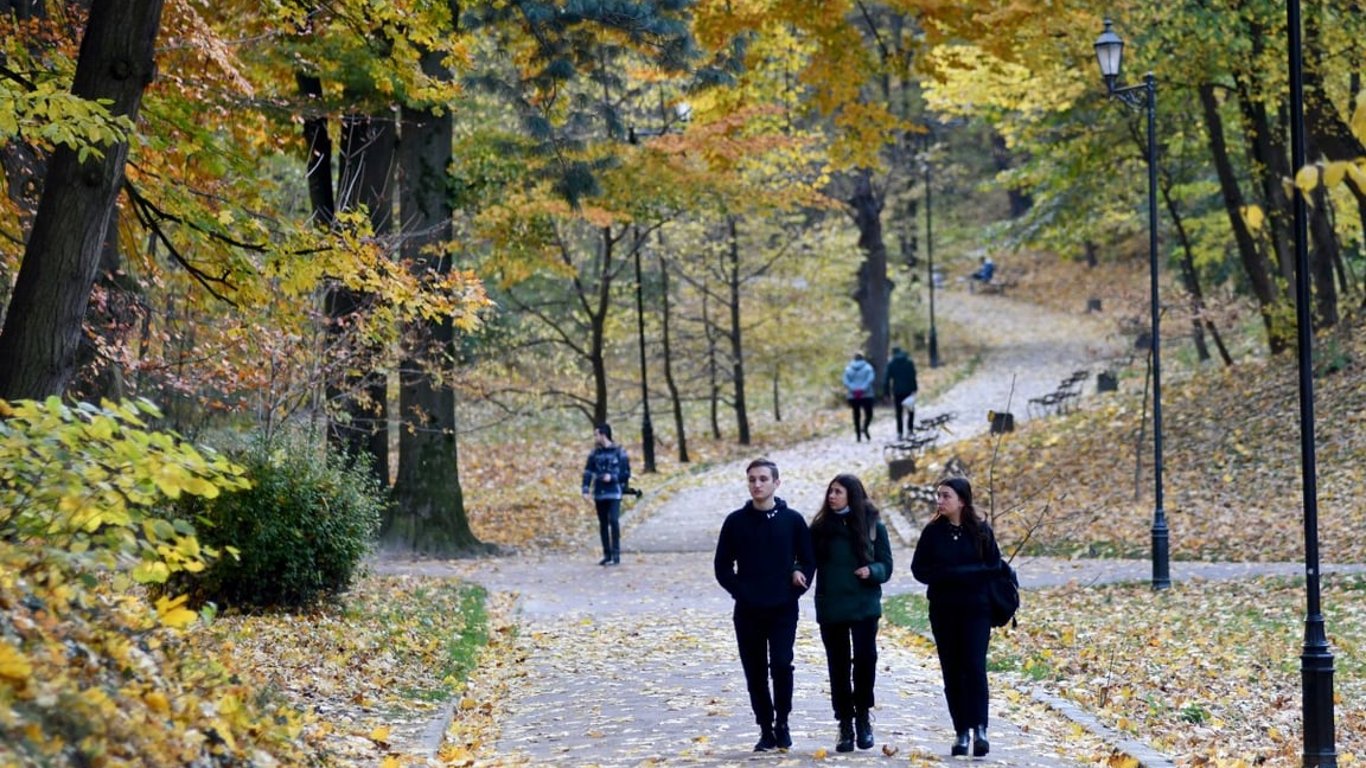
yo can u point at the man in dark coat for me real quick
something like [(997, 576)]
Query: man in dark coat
[(605, 477), (900, 384), (764, 559)]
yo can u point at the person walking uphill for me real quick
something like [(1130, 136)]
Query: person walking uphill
[(605, 477), (956, 556), (853, 561), (900, 384), (764, 560), (858, 380)]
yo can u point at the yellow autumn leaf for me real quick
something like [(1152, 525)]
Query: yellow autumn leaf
[(1307, 178), (157, 702), (13, 665), (151, 572), (1359, 118), (171, 612), (820, 753), (380, 735), (1334, 171), (389, 761), (1357, 176), (1253, 217)]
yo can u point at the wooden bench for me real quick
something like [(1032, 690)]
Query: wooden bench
[(902, 454), (1060, 400)]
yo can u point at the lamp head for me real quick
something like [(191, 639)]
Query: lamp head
[(1109, 54)]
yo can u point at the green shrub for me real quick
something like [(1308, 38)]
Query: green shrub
[(297, 535)]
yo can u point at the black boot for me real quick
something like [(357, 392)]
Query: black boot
[(846, 739), (980, 745), (767, 740), (782, 735), (606, 560), (863, 728), (960, 744), (616, 558)]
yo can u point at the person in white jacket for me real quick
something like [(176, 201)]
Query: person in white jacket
[(859, 377)]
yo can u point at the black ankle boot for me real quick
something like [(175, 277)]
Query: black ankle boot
[(960, 744), (766, 741), (863, 729), (980, 745), (782, 735), (846, 739)]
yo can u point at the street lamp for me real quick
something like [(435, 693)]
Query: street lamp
[(682, 113), (647, 429), (1109, 53), (929, 259), (1316, 659)]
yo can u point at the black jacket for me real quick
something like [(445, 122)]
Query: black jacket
[(609, 461), (757, 552), (900, 377), (955, 573)]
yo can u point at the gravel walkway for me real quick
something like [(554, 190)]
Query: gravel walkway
[(636, 665)]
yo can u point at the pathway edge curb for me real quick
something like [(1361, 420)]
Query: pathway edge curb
[(1146, 756)]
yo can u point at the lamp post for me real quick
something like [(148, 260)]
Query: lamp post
[(929, 260), (1316, 659), (647, 429), (682, 112), (1109, 52)]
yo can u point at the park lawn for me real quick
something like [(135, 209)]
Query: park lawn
[(1205, 672)]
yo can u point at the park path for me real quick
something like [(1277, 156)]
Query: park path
[(636, 665)]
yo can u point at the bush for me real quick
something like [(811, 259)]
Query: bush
[(297, 535)]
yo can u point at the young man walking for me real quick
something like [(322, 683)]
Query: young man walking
[(901, 384), (605, 477), (764, 559)]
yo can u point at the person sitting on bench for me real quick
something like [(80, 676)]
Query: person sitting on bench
[(985, 271)]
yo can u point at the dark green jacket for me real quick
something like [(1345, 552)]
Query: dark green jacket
[(841, 596)]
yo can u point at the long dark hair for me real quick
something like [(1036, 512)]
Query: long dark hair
[(862, 515), (971, 524)]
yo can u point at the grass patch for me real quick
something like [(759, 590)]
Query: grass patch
[(909, 611)]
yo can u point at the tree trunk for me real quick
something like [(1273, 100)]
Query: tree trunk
[(736, 346), (359, 398), (1270, 160), (1199, 323), (874, 292), (430, 514), (1020, 202), (713, 368), (675, 399), (43, 326), (1255, 265)]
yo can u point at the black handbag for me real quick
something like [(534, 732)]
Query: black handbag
[(1003, 595)]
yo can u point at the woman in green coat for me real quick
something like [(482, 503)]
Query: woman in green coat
[(853, 560)]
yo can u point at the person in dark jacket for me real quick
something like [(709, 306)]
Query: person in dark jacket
[(853, 561), (900, 384), (605, 477), (956, 556), (764, 560)]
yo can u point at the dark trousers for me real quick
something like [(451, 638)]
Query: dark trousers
[(862, 407), (910, 415), (765, 637), (961, 639), (609, 526), (851, 646)]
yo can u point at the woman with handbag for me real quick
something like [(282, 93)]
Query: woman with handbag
[(957, 557), (853, 561)]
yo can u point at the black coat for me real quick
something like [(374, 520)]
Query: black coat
[(900, 377), (757, 552), (956, 574)]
